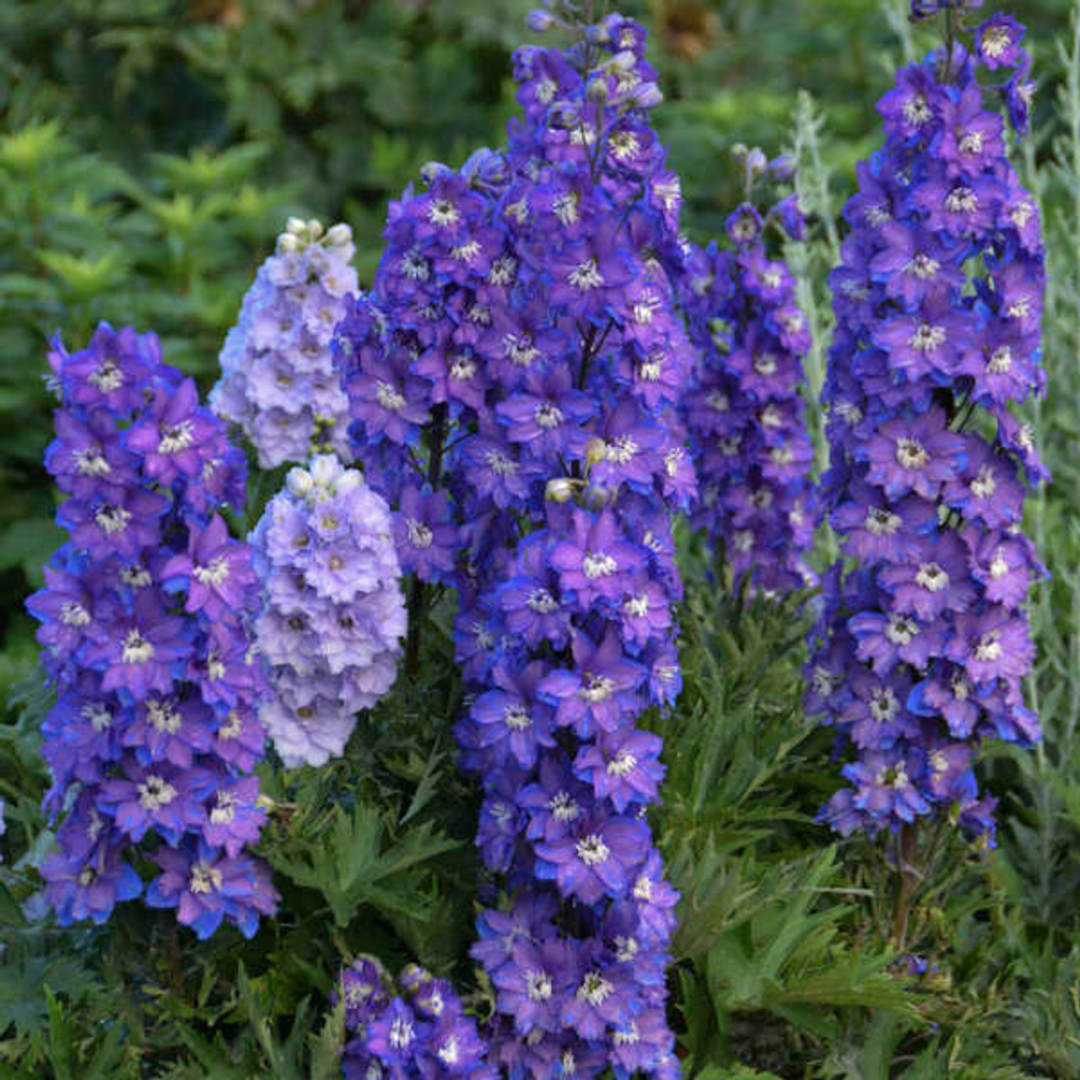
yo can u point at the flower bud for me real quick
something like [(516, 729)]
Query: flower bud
[(314, 228), (346, 482), (289, 243), (595, 451), (339, 235), (594, 497), (299, 482), (559, 490), (295, 226), (325, 470)]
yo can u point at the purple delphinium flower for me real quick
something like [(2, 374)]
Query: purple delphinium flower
[(147, 645), (333, 641), (923, 643), (278, 380), (513, 376), (421, 1033), (748, 438)]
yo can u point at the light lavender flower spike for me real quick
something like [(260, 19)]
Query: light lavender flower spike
[(333, 613), (278, 380)]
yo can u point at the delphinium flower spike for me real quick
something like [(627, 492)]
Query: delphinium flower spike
[(750, 445), (278, 379), (144, 637), (923, 641), (513, 376), (333, 615)]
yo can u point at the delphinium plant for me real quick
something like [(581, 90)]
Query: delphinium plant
[(513, 376), (278, 380), (154, 732), (923, 641), (746, 418), (333, 615)]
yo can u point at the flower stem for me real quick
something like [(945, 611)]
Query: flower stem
[(907, 850)]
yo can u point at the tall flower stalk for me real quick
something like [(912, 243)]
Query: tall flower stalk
[(513, 376), (154, 733), (746, 418), (923, 641)]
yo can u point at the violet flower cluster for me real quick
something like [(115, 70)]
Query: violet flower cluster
[(750, 445), (333, 613), (278, 379), (923, 643), (513, 377), (419, 1032), (154, 732)]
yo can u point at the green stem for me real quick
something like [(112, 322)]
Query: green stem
[(907, 850)]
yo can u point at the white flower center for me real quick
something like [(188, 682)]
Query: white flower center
[(565, 207), (596, 688), (547, 415), (503, 270), (626, 1037), (586, 276), (901, 630), (112, 519), (999, 567), (563, 807), (401, 1033), (414, 266), (462, 368), (224, 810), (204, 878), (916, 110), (520, 349), (622, 764), (718, 401), (984, 484), (542, 602), (162, 715), (107, 378), (927, 338), (465, 252), (995, 41), (989, 648), (100, 718), (72, 613), (910, 453), (636, 607), (232, 726), (932, 577), (538, 985), (643, 889), (389, 397), (621, 449), (961, 200), (970, 142), (176, 438), (155, 792), (443, 212), (213, 574), (1001, 362), (595, 989), (89, 462), (516, 717), (883, 704), (420, 535), (923, 267), (500, 464), (597, 564), (137, 650)]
